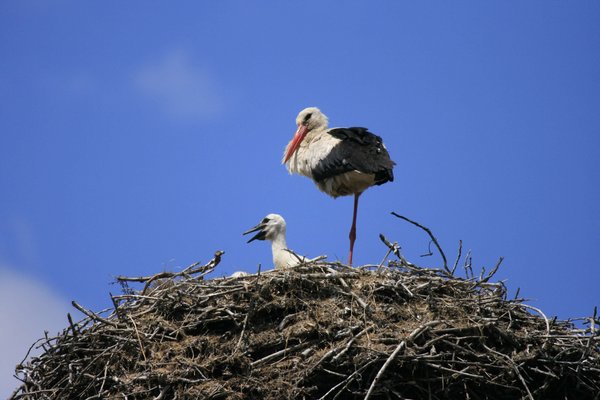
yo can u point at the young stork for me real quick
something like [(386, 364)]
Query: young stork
[(341, 161), (272, 228)]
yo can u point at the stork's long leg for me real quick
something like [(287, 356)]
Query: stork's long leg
[(352, 235)]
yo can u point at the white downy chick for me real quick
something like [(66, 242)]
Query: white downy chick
[(272, 228)]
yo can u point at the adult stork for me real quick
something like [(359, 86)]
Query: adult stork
[(341, 161), (272, 228)]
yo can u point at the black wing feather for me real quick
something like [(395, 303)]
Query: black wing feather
[(358, 150)]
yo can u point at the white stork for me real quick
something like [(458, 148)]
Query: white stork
[(272, 228), (341, 161)]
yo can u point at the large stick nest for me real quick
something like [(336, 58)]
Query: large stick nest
[(318, 331)]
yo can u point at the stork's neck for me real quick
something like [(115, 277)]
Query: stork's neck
[(313, 135), (278, 243)]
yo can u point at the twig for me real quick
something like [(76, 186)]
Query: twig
[(430, 235), (468, 263), (71, 324), (384, 258), (116, 305), (391, 247), (414, 334), (316, 259), (588, 347), (103, 379), (303, 260), (348, 379), (34, 344), (299, 258), (457, 257), (593, 322), (279, 353), (406, 289), (329, 353), (162, 393), (462, 372), (93, 315), (493, 271), (429, 252), (514, 367), (137, 333), (359, 299), (351, 341), (541, 313), (396, 250)]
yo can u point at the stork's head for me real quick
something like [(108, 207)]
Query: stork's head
[(270, 227), (312, 118), (309, 119)]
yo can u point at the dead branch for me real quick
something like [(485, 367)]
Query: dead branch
[(430, 235), (92, 315), (457, 257)]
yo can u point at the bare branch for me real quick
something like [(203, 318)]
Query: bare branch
[(92, 315), (457, 257), (430, 235), (493, 271)]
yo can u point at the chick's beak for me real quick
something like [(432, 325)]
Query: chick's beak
[(261, 235)]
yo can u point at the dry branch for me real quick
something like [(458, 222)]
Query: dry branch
[(430, 235)]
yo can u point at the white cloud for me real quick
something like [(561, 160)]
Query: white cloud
[(27, 309), (182, 89)]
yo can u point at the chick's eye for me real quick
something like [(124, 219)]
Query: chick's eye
[(264, 221)]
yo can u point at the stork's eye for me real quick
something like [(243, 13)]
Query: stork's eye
[(264, 221), (307, 117)]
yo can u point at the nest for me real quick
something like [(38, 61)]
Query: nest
[(318, 331)]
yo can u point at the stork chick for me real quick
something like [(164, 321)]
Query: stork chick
[(272, 228)]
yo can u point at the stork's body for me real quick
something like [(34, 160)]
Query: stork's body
[(272, 228), (341, 161)]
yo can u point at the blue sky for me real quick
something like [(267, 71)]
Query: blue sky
[(139, 137)]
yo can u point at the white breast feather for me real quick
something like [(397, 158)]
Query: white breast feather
[(314, 148), (284, 259)]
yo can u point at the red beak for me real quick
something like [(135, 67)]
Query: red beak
[(295, 143)]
